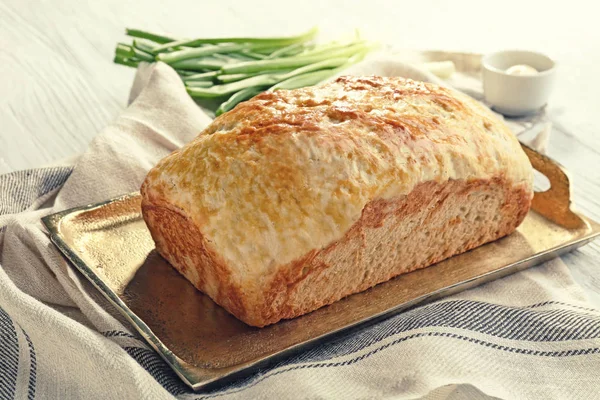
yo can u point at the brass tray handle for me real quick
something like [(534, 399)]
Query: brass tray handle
[(554, 203)]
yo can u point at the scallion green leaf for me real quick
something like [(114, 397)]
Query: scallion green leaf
[(126, 61), (149, 36), (237, 98), (199, 84), (199, 65), (205, 76), (290, 62), (279, 42)]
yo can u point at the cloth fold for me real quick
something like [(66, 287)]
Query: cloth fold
[(529, 335)]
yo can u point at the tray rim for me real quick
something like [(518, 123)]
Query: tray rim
[(53, 221), (190, 374)]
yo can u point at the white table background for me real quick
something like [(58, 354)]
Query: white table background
[(59, 87)]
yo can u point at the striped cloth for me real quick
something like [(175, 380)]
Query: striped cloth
[(530, 335)]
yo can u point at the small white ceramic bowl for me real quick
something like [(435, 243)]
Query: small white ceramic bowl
[(517, 95)]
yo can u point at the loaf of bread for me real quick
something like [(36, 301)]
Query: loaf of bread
[(296, 199)]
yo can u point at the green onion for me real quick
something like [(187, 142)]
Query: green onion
[(126, 61), (124, 51), (237, 98), (230, 57), (199, 65), (325, 64), (199, 52), (282, 41), (264, 80), (252, 54), (266, 51), (205, 76), (232, 77), (330, 48), (238, 68), (290, 62), (290, 50), (200, 84), (142, 55), (145, 45), (308, 79), (312, 78), (225, 78), (150, 36), (235, 57)]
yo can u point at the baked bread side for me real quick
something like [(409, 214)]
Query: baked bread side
[(296, 199)]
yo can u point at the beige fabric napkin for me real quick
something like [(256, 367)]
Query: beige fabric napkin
[(531, 335)]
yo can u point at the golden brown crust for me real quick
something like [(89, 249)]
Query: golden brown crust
[(296, 199), (289, 172), (430, 224), (343, 268), (180, 242)]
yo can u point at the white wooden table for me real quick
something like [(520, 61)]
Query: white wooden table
[(59, 87)]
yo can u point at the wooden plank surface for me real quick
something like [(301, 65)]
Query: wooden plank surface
[(59, 86)]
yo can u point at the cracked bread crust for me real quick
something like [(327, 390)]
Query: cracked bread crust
[(258, 209), (392, 237)]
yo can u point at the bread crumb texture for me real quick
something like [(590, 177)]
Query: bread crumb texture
[(289, 172)]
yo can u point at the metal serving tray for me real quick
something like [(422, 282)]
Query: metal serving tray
[(110, 244)]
